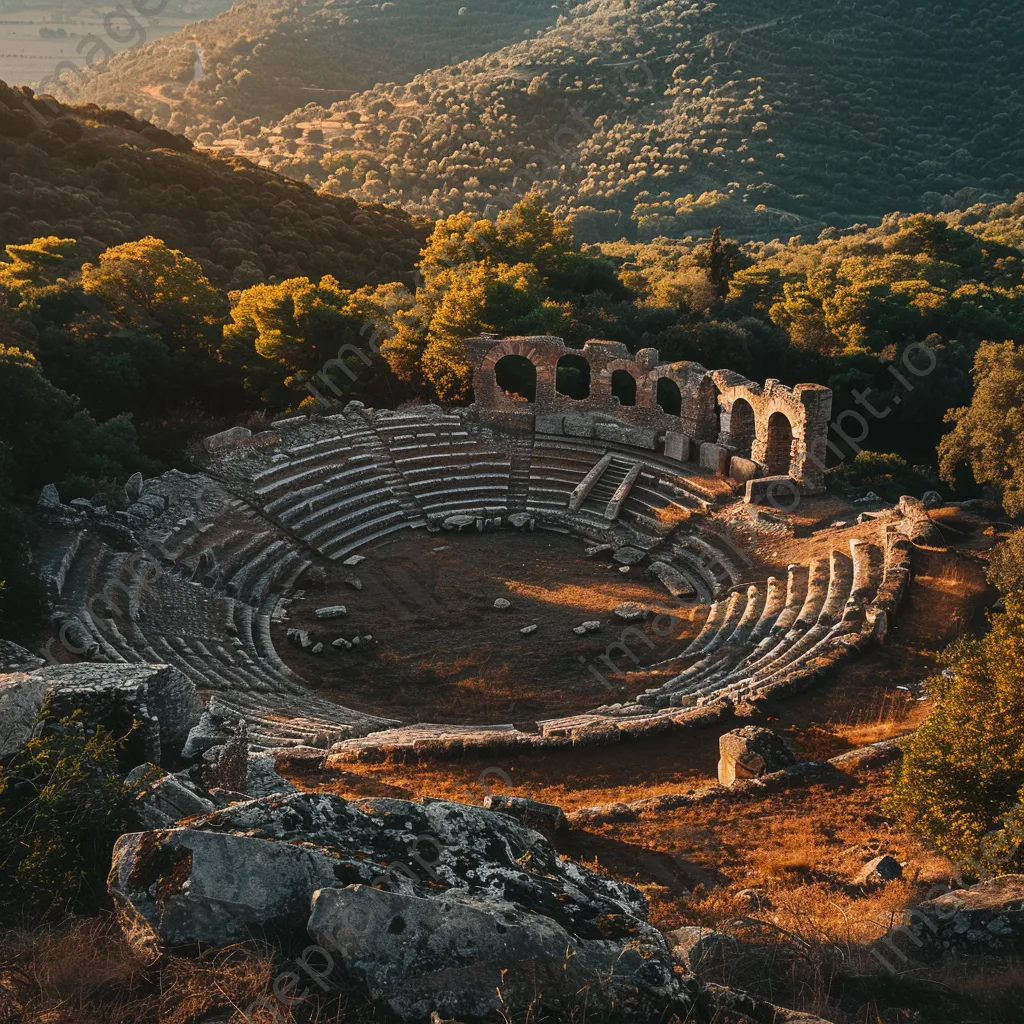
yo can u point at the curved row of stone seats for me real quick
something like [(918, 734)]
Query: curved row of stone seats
[(823, 606), (282, 720)]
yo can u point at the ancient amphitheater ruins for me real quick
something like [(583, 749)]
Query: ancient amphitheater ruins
[(201, 568)]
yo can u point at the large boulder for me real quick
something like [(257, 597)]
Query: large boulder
[(182, 888), (419, 900), (750, 752), (473, 957), (219, 746)]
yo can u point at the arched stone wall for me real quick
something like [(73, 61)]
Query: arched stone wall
[(708, 398)]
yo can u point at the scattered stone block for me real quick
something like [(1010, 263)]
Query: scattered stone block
[(750, 752), (317, 648), (355, 582), (741, 470), (342, 644), (133, 487), (778, 492), (591, 626), (299, 638), (713, 457), (672, 579), (502, 603), (354, 560), (630, 612), (527, 630), (598, 549), (579, 630), (677, 446), (459, 522), (629, 555), (262, 778), (548, 819), (879, 872), (520, 520), (334, 611)]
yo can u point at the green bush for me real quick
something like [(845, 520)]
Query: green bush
[(961, 780), (63, 804), (1006, 569)]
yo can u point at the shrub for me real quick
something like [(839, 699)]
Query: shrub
[(961, 780), (1006, 570), (62, 806)]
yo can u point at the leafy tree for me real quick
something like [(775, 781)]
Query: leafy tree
[(38, 264), (961, 780), (1006, 566), (148, 286), (988, 435)]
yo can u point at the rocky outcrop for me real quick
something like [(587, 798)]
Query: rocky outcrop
[(21, 700), (411, 896), (987, 916), (548, 819)]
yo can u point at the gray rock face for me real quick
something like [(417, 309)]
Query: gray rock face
[(932, 499), (879, 871), (262, 779), (334, 611), (182, 888), (21, 699), (167, 799), (628, 555), (256, 865), (299, 638), (987, 916), (630, 612), (133, 487), (220, 746), (749, 752), (14, 658), (469, 957)]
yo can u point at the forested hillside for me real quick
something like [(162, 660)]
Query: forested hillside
[(671, 117), (104, 177), (263, 58)]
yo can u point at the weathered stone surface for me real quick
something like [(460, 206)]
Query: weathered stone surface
[(228, 439), (591, 625), (133, 488), (986, 916), (468, 957), (165, 799), (630, 612), (778, 492), (220, 746), (158, 700), (629, 555), (262, 779), (185, 888), (14, 658), (697, 947), (637, 437), (458, 522), (741, 470), (578, 426), (21, 699), (672, 579), (547, 819), (527, 630), (49, 497), (299, 638), (501, 603), (878, 872), (354, 560), (677, 446), (333, 611), (714, 457), (750, 752), (932, 499)]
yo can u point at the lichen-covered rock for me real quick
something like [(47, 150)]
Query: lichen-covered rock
[(750, 752), (177, 888), (474, 957), (21, 699), (989, 915)]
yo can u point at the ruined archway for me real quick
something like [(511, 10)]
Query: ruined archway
[(779, 448), (741, 428), (517, 377), (624, 387), (572, 377), (669, 396)]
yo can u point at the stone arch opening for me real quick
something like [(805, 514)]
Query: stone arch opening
[(669, 396), (779, 450), (624, 387), (572, 377), (741, 427), (517, 377)]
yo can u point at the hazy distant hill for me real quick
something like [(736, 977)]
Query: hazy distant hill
[(264, 58), (769, 116), (103, 176)]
